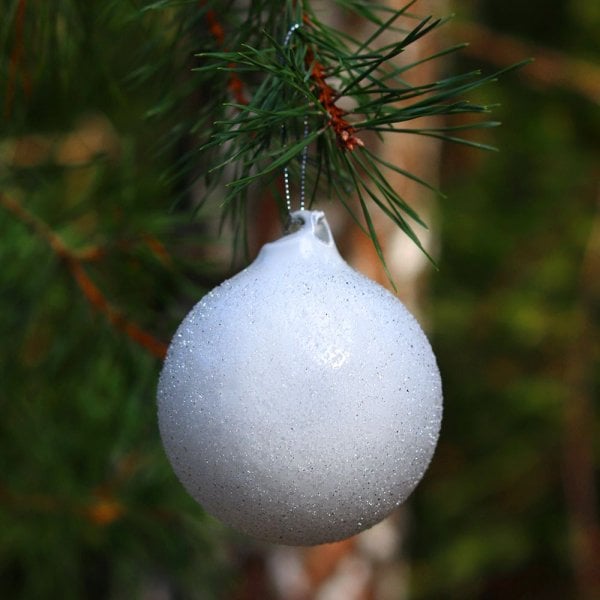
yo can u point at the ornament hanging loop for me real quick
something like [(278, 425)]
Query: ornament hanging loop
[(312, 221), (304, 157)]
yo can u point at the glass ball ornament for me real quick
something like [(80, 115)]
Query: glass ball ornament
[(300, 402)]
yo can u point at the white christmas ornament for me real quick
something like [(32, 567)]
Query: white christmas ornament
[(300, 402)]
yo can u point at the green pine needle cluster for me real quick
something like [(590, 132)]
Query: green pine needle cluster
[(285, 84)]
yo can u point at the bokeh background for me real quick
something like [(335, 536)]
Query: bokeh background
[(100, 259)]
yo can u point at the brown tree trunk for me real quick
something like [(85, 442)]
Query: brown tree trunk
[(371, 566), (579, 481)]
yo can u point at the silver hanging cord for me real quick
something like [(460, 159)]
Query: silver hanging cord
[(290, 33), (304, 157)]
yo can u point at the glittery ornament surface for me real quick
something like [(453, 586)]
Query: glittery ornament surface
[(300, 402)]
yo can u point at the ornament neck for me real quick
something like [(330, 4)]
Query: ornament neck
[(310, 222), (307, 236)]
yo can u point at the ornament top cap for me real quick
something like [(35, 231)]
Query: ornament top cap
[(310, 222), (307, 236)]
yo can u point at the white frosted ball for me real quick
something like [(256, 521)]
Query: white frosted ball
[(300, 402)]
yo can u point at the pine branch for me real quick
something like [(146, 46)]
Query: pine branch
[(90, 290), (307, 79), (235, 85)]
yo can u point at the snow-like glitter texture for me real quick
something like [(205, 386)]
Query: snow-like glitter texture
[(300, 402)]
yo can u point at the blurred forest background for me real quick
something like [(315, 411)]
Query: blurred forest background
[(99, 263)]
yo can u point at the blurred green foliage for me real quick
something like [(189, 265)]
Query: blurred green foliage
[(89, 507), (512, 304)]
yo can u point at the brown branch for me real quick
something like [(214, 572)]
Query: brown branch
[(235, 84), (344, 131), (105, 506), (214, 25), (550, 68), (101, 510), (90, 290), (16, 57)]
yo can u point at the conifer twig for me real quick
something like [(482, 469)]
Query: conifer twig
[(235, 84), (289, 85), (90, 290), (344, 131)]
